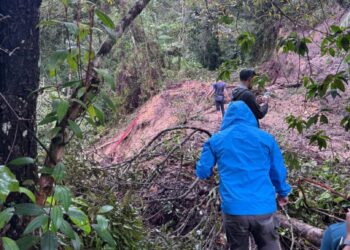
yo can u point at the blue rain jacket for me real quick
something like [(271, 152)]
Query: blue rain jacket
[(250, 164)]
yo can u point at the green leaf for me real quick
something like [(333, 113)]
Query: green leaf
[(71, 27), (108, 100), (57, 216), (62, 109), (27, 192), (72, 62), (67, 229), (324, 119), (53, 132), (59, 172), (63, 195), (56, 60), (76, 242), (22, 161), (105, 209), (29, 209), (336, 29), (48, 119), (91, 111), (5, 216), (105, 19), (48, 241), (99, 114), (36, 223), (76, 129), (102, 222), (80, 219), (27, 242), (8, 183), (108, 77), (81, 92), (9, 244), (226, 20), (72, 84), (80, 102), (224, 75), (105, 235)]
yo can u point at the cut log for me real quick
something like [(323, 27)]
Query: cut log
[(305, 231)]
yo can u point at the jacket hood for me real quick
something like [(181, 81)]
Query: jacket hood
[(236, 92), (238, 113)]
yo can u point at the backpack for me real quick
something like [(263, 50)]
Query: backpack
[(219, 89)]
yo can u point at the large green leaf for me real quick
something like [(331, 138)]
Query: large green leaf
[(67, 229), (5, 216), (62, 109), (59, 172), (48, 241), (102, 222), (21, 161), (80, 219), (56, 60), (27, 242), (63, 195), (29, 209), (76, 129), (99, 113), (105, 19), (8, 183), (105, 235), (28, 193), (9, 244), (76, 242), (57, 216), (36, 223)]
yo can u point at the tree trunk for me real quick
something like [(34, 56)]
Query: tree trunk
[(305, 231), (19, 76)]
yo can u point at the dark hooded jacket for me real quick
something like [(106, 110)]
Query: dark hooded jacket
[(245, 95)]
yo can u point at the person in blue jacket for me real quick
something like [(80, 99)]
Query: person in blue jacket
[(251, 171), (337, 236)]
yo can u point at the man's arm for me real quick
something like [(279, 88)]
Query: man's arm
[(278, 172), (250, 100), (204, 167)]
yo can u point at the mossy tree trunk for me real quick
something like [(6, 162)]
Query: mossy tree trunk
[(19, 77)]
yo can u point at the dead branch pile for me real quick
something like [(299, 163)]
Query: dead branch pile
[(162, 175)]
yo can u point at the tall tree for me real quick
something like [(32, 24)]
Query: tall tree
[(19, 77)]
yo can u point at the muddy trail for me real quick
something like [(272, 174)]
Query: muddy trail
[(186, 104)]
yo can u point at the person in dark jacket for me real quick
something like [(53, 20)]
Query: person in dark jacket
[(243, 93), (219, 91), (337, 236), (251, 170)]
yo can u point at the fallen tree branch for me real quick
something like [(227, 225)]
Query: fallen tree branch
[(306, 231)]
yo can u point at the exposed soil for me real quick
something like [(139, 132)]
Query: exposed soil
[(186, 103)]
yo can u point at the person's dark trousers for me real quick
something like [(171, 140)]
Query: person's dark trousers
[(262, 227), (220, 106)]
